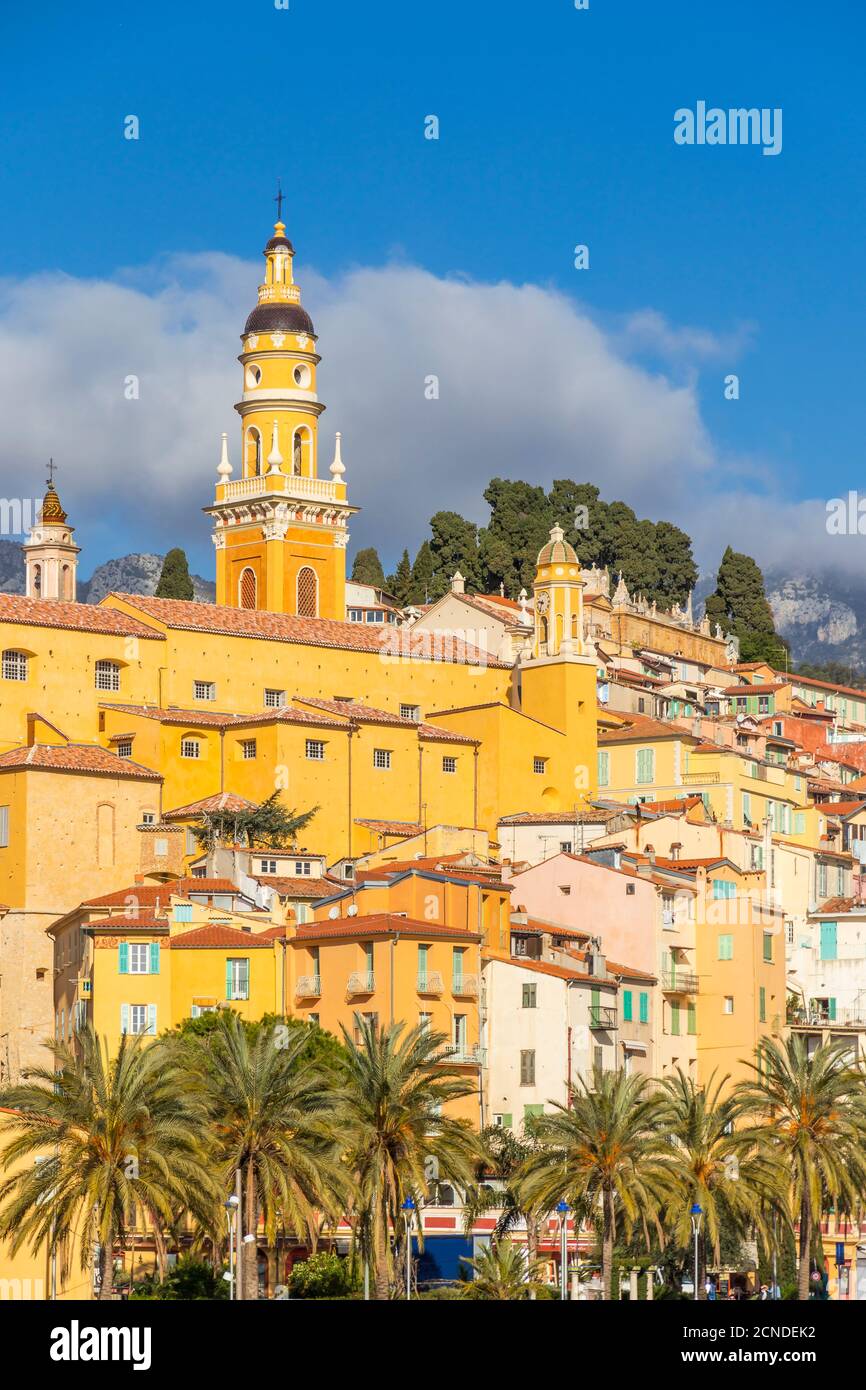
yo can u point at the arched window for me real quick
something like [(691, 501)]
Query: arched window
[(308, 593), (544, 635), (37, 580), (107, 675), (14, 666), (254, 453), (296, 455), (66, 583), (574, 627), (247, 588)]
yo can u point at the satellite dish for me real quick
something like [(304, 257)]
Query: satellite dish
[(352, 911), (333, 912)]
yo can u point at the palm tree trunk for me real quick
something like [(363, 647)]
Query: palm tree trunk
[(531, 1246), (607, 1246), (381, 1281), (106, 1270), (805, 1250), (250, 1257)]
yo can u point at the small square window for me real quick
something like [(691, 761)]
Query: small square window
[(316, 750), (248, 748), (382, 758), (449, 764), (538, 765), (530, 993), (124, 748), (204, 690), (275, 699), (412, 712), (190, 748), (728, 1004)]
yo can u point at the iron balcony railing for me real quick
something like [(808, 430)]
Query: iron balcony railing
[(680, 982), (465, 986), (308, 986), (602, 1016), (361, 982), (430, 982), (462, 1054)]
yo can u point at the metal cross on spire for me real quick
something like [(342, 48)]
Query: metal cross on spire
[(52, 469), (279, 201)]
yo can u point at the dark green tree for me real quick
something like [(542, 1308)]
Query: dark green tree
[(269, 826), (577, 508), (367, 568), (422, 575), (678, 572), (453, 546), (740, 605), (520, 522), (174, 580), (400, 582)]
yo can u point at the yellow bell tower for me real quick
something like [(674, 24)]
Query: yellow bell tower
[(558, 592), (279, 529)]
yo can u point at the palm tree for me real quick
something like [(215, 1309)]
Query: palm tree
[(712, 1165), (504, 1156), (809, 1120), (391, 1120), (503, 1271), (269, 1109), (603, 1150), (113, 1133)]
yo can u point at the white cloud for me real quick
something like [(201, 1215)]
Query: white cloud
[(530, 387)]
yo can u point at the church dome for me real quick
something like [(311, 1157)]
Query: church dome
[(51, 508), (557, 551), (281, 317)]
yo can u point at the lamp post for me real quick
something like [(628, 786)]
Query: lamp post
[(563, 1210), (231, 1205), (409, 1208), (696, 1214)]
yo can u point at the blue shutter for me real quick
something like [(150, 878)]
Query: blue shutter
[(644, 1007), (123, 959), (828, 941), (831, 1009), (626, 1005), (124, 1018), (154, 957)]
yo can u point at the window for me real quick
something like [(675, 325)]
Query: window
[(238, 978), (124, 748), (190, 748), (107, 674), (503, 1121), (138, 1018), (643, 1002), (565, 846), (139, 958), (538, 765), (645, 766), (275, 699), (14, 666), (449, 764), (603, 768), (308, 592), (692, 1019), (4, 827), (247, 587), (313, 1019), (316, 750), (527, 1068), (723, 889), (268, 866), (530, 996), (382, 758), (726, 947), (204, 690), (728, 1004), (303, 866), (248, 748), (768, 945), (629, 890), (412, 712)]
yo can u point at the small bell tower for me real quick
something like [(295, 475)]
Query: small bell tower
[(51, 555)]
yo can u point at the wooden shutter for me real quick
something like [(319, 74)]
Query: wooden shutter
[(154, 957), (123, 959), (124, 1018), (644, 1007), (228, 979), (626, 1005), (151, 1019)]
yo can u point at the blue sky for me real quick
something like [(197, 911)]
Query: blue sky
[(556, 128)]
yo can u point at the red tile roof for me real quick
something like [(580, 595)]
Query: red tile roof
[(296, 886), (393, 827), (223, 938), (142, 921), (560, 972), (75, 757), (746, 689), (379, 924), (592, 817), (384, 638), (220, 719), (81, 617), (639, 727), (221, 801), (360, 713), (146, 894)]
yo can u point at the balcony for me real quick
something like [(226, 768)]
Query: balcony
[(361, 982), (465, 986), (279, 485), (700, 779), (602, 1016), (679, 982), (308, 987), (430, 982), (462, 1054)]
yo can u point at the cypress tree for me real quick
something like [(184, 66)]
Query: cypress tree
[(367, 568), (740, 604), (174, 580)]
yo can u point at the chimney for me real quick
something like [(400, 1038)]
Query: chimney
[(458, 583)]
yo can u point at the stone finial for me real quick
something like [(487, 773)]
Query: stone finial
[(224, 468), (337, 467), (458, 583), (621, 595), (275, 458), (523, 598)]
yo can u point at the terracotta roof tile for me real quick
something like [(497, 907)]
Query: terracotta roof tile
[(142, 921), (223, 938), (314, 632), (393, 827), (81, 617), (379, 924), (219, 719), (593, 817), (146, 894), (640, 726), (220, 801), (75, 757), (296, 886)]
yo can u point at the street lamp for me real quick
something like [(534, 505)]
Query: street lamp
[(409, 1208), (696, 1214), (231, 1205), (563, 1209)]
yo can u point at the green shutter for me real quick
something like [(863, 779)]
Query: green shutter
[(151, 1019), (626, 1005), (675, 1020), (762, 1005), (603, 768), (507, 1121), (768, 946), (644, 1006), (692, 1019), (531, 1112), (154, 957), (831, 1009), (228, 979), (123, 959)]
